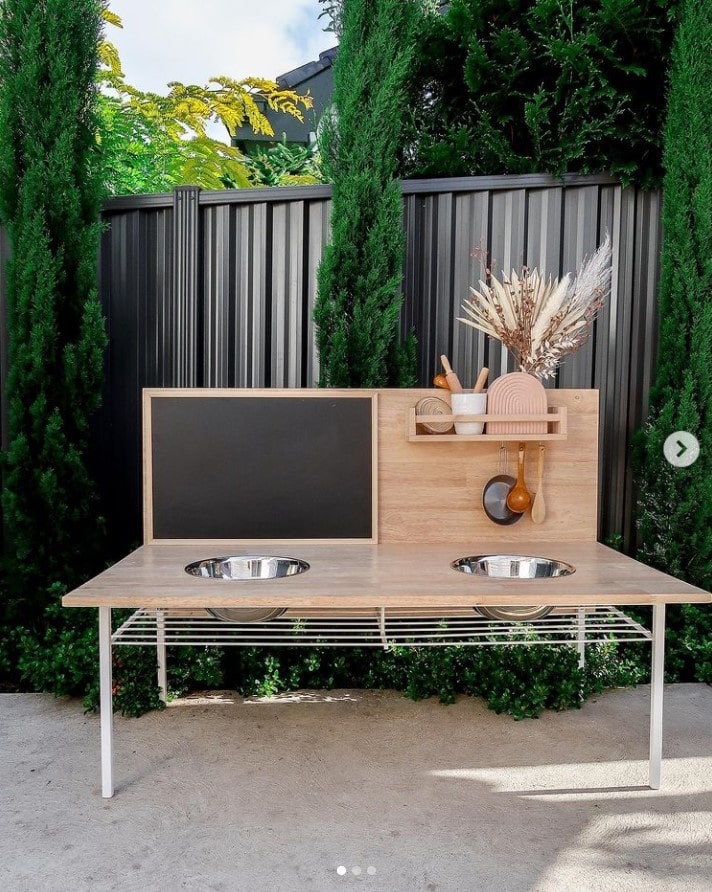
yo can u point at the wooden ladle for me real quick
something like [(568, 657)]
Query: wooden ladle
[(519, 499)]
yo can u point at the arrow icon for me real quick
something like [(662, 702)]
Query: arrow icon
[(681, 449)]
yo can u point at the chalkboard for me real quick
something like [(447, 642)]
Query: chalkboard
[(260, 467)]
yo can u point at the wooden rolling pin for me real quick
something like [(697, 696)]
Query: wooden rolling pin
[(452, 379)]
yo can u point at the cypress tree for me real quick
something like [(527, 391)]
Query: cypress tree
[(50, 192), (358, 305), (675, 504)]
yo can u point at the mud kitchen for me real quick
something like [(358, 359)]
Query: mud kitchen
[(356, 518)]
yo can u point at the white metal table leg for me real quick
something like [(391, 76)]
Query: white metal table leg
[(106, 703), (161, 655), (656, 696), (581, 636)]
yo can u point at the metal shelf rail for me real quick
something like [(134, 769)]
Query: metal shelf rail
[(149, 627), (572, 627)]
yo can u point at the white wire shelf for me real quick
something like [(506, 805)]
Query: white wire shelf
[(566, 626)]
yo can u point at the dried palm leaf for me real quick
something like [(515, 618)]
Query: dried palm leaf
[(541, 320)]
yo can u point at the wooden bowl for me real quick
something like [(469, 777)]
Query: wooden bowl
[(431, 405)]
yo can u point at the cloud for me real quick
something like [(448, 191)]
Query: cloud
[(191, 40)]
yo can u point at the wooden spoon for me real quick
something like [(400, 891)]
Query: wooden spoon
[(481, 381), (539, 506), (519, 499), (441, 381)]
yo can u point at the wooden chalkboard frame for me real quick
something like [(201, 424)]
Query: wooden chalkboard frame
[(150, 394)]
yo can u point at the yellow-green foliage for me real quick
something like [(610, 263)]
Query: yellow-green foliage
[(175, 124)]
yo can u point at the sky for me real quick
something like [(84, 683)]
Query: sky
[(192, 40)]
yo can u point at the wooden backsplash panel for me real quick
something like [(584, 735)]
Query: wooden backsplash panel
[(433, 492)]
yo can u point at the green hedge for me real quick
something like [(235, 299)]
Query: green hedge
[(521, 681), (515, 86)]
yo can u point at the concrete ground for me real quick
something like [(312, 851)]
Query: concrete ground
[(357, 790)]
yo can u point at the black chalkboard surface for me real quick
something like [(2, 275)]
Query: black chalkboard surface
[(260, 467)]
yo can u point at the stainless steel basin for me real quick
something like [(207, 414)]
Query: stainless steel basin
[(513, 566), (247, 567)]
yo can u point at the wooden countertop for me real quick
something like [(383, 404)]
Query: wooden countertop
[(388, 575)]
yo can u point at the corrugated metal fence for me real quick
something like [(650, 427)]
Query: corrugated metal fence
[(217, 289)]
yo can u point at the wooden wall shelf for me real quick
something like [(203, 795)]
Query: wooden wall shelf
[(555, 419)]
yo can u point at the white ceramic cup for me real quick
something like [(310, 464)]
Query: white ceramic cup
[(469, 403)]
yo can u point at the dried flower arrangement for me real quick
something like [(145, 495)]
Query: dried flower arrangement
[(541, 320)]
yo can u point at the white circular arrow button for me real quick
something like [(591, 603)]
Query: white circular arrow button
[(682, 449)]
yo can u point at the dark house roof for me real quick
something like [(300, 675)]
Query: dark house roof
[(290, 80), (316, 78)]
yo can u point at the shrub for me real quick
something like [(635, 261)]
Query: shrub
[(521, 681), (513, 86)]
